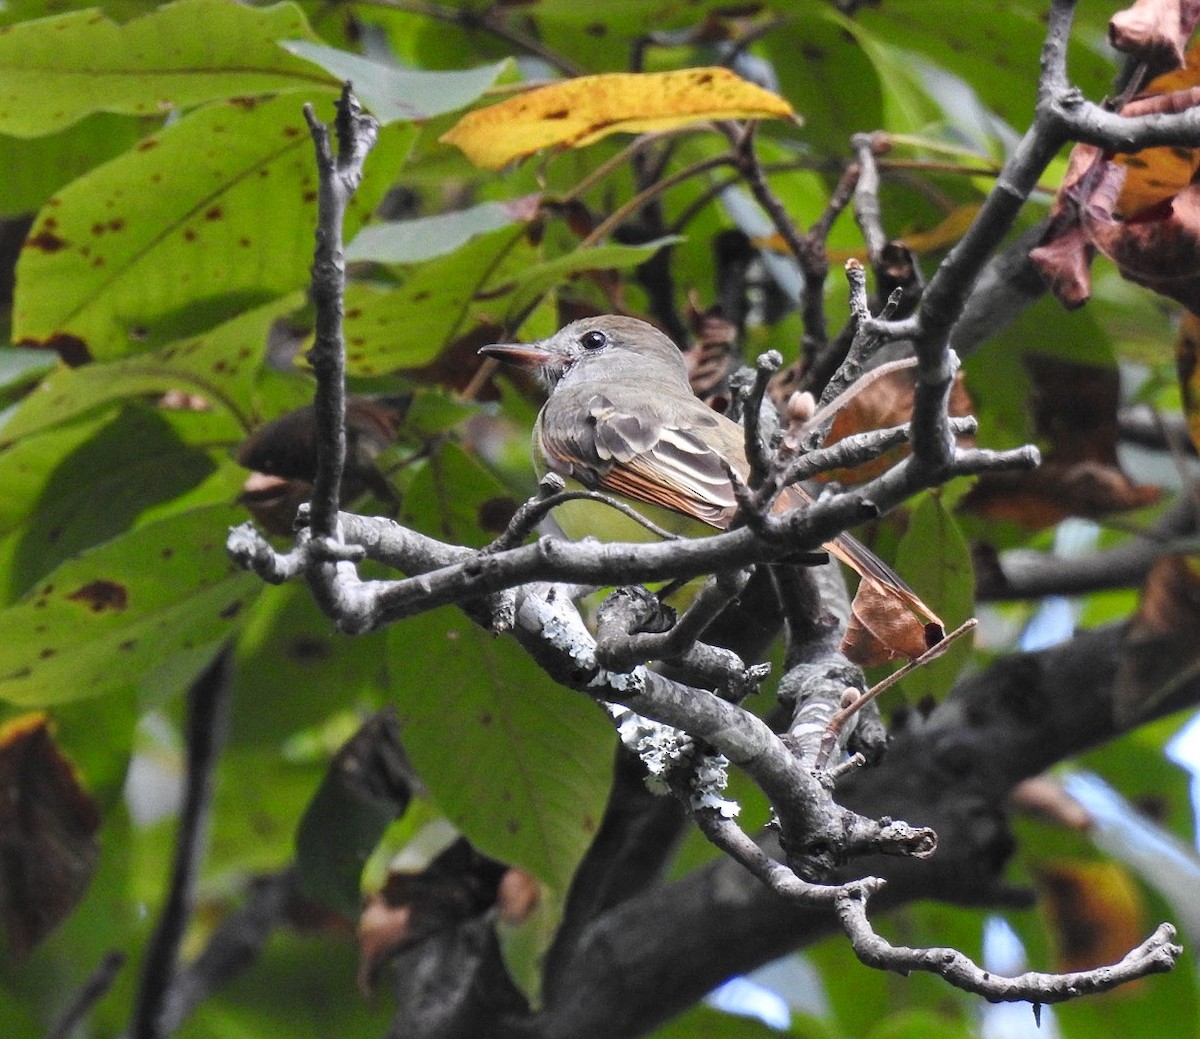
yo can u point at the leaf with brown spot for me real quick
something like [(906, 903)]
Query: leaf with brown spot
[(48, 827), (56, 70), (581, 111), (168, 273), (223, 364), (101, 595), (176, 590)]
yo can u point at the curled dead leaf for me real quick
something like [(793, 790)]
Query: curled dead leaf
[(1155, 30), (888, 401), (1047, 799), (48, 826), (882, 628), (1075, 411), (1140, 210), (1162, 641)]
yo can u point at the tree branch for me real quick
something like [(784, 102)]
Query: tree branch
[(208, 716)]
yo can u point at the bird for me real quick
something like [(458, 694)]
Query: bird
[(620, 417)]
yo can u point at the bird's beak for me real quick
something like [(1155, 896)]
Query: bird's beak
[(531, 356)]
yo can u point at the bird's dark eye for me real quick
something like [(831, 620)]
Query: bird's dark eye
[(593, 340)]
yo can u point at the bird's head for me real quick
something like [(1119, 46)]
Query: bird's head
[(597, 348)]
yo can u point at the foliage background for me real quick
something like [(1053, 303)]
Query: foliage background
[(157, 160)]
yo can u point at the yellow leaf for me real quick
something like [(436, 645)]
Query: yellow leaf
[(1155, 174), (949, 231), (580, 111)]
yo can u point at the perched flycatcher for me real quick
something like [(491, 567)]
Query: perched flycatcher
[(621, 418)]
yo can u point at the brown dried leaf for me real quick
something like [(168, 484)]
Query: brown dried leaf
[(1187, 353), (1064, 260), (48, 827), (1158, 247), (457, 885), (578, 112), (1075, 411), (1162, 641), (888, 401), (882, 629), (1063, 257), (1155, 30), (1047, 799)]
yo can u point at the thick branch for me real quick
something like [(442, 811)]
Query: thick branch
[(1025, 574)]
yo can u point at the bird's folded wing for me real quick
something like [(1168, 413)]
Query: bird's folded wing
[(644, 458), (638, 453)]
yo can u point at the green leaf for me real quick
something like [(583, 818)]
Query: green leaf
[(456, 499), (101, 619), (54, 71), (211, 217), (908, 105), (259, 801), (517, 763), (542, 276), (996, 60), (400, 95), (220, 365), (704, 1022), (301, 986), (411, 241), (358, 799), (935, 559), (289, 658), (407, 327), (129, 464), (36, 168), (921, 1024), (824, 73)]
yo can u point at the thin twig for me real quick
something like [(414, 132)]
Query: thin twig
[(867, 212), (92, 991), (857, 703), (756, 449), (622, 213), (339, 177), (1156, 955), (489, 21), (532, 512), (207, 722)]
